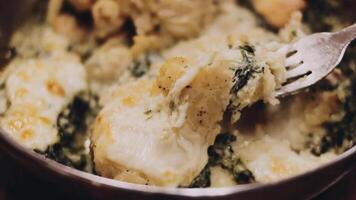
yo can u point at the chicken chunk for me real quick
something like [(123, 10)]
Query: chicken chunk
[(109, 61), (68, 26), (173, 19), (108, 17), (148, 139), (278, 12)]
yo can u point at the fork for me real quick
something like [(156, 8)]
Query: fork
[(313, 57)]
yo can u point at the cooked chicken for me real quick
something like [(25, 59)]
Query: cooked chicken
[(109, 61), (174, 19), (278, 12)]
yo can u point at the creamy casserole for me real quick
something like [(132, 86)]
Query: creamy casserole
[(175, 93)]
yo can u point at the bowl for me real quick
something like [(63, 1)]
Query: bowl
[(303, 186)]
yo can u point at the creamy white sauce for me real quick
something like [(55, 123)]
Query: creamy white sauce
[(37, 90)]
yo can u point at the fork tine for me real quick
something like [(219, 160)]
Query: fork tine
[(297, 71), (300, 83), (292, 61), (290, 87), (284, 50)]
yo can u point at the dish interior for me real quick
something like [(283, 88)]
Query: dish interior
[(176, 93)]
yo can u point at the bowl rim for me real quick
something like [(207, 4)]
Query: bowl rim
[(13, 147)]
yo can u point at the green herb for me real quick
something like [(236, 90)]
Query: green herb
[(148, 112), (294, 33), (172, 105), (327, 15), (72, 126), (249, 49), (203, 180), (140, 66), (341, 135), (222, 155), (246, 70)]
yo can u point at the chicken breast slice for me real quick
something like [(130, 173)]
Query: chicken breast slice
[(146, 138)]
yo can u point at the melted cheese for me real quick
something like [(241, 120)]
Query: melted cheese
[(271, 159), (274, 148), (38, 89)]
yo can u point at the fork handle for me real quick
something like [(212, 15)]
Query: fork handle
[(346, 35)]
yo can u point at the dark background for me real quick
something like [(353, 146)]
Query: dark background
[(17, 184)]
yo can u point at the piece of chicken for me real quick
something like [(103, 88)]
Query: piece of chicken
[(170, 18), (67, 26), (148, 139), (109, 61), (278, 12)]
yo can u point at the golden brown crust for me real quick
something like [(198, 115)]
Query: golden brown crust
[(278, 12)]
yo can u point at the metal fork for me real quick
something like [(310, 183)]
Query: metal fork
[(313, 57)]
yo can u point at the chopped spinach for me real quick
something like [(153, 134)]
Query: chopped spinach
[(222, 155), (246, 70), (147, 112), (203, 180), (72, 126), (140, 66), (341, 135), (327, 15), (248, 48), (71, 120)]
